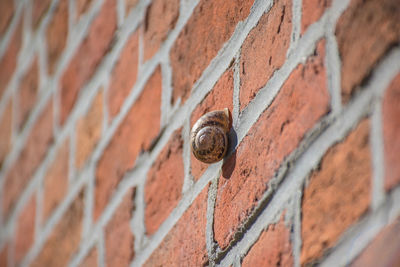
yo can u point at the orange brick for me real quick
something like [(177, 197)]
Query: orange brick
[(40, 7), (91, 259), (6, 131), (82, 6), (6, 14), (312, 10)]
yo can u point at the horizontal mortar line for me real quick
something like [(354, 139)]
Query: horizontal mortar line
[(349, 116), (360, 235)]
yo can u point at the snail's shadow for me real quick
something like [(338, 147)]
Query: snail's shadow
[(230, 159)]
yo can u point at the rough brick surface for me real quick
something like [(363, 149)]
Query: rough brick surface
[(338, 193), (218, 98), (56, 181), (359, 49), (40, 8), (91, 260), (25, 230), (6, 13), (185, 244), (65, 237), (312, 10), (384, 250), (124, 75), (28, 90), (135, 134), (118, 236), (210, 26), (82, 6), (88, 131), (264, 49), (273, 248), (31, 156), (302, 101), (57, 34), (88, 56), (391, 133), (164, 183), (8, 61), (6, 131), (161, 17)]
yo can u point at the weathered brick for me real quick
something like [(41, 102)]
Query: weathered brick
[(64, 240), (218, 98), (312, 10), (32, 154), (6, 13), (56, 181), (57, 34), (91, 260), (185, 244), (88, 57), (210, 26), (161, 17), (135, 134), (118, 235), (273, 247), (302, 101), (361, 47), (384, 250), (82, 6), (25, 230), (391, 133), (264, 49), (40, 7), (6, 131), (124, 75), (88, 131), (338, 193), (27, 93), (164, 183), (8, 61)]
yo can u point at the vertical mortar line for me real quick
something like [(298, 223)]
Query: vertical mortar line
[(296, 24), (106, 114), (39, 209), (42, 66), (237, 262), (88, 208), (297, 227), (166, 92), (188, 179), (236, 89), (72, 15), (333, 67), (120, 12), (138, 223), (211, 199), (101, 249), (72, 156), (56, 98), (377, 154), (27, 34)]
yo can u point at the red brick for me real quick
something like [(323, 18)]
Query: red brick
[(88, 56), (91, 259), (302, 101), (391, 133), (129, 5), (338, 193), (119, 240), (28, 90), (218, 98), (264, 50), (312, 10), (40, 7), (384, 250), (56, 181), (6, 131), (135, 134), (164, 183), (4, 256), (124, 75), (273, 247), (161, 17), (361, 47), (185, 244), (8, 62), (82, 6), (210, 26), (64, 240), (6, 13), (88, 131), (57, 34), (25, 230), (31, 156)]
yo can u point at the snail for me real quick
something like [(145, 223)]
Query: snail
[(209, 136)]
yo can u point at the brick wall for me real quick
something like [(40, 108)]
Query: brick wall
[(97, 98)]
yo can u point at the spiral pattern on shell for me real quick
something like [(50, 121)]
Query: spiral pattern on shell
[(209, 136)]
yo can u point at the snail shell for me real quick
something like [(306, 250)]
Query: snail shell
[(209, 136)]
